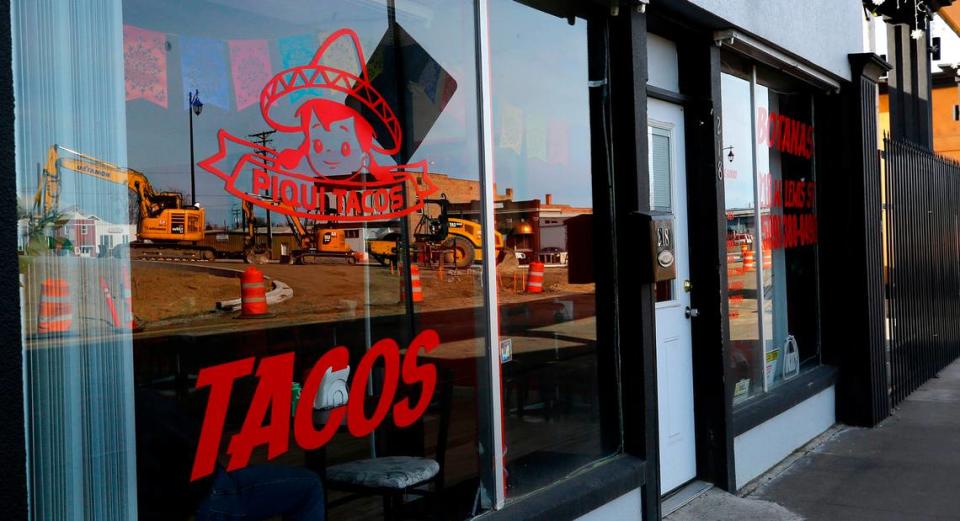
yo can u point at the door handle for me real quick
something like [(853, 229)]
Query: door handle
[(691, 312)]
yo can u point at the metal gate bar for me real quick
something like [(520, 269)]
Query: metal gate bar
[(922, 196)]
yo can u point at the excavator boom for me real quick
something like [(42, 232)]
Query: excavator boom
[(314, 244), (163, 223)]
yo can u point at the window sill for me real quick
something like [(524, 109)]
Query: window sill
[(576, 495), (760, 409)]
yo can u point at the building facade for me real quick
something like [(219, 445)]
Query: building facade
[(699, 164)]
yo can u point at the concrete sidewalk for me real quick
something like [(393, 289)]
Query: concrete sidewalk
[(907, 468)]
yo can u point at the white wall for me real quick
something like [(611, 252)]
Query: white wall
[(949, 43), (875, 36), (625, 508), (820, 31), (662, 63), (765, 445)]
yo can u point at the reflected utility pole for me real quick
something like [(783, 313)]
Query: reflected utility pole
[(263, 139), (404, 156)]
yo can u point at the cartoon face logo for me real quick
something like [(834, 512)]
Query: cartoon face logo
[(335, 139), (335, 171)]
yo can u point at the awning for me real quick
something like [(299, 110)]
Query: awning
[(776, 57)]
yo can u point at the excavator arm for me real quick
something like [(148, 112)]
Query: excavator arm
[(150, 204), (47, 199), (313, 244), (300, 233), (163, 222)]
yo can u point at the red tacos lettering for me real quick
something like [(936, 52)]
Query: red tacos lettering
[(268, 423)]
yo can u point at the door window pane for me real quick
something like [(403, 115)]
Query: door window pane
[(661, 196)]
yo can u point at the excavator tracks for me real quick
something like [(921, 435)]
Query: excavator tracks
[(175, 253), (318, 257)]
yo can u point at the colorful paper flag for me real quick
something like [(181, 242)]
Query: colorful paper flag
[(296, 51), (203, 65), (511, 127), (536, 135), (250, 67), (342, 54), (145, 65), (558, 142)]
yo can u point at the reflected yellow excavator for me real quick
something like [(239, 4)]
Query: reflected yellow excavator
[(315, 245), (458, 242), (254, 252), (166, 230)]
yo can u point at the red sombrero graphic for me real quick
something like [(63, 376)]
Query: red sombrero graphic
[(318, 76), (374, 193)]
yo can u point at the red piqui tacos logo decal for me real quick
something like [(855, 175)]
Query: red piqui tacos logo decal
[(333, 174)]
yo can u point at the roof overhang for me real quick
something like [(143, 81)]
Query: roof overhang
[(776, 57)]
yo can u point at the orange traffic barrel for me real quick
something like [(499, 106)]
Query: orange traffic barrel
[(535, 280), (415, 283), (749, 261), (56, 310), (253, 294), (767, 259)]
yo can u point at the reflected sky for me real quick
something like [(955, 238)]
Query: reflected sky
[(549, 150), (158, 141), (542, 142), (738, 183)]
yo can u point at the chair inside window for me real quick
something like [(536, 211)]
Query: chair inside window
[(392, 477)]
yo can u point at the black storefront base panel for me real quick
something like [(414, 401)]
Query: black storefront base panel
[(781, 399), (577, 495)]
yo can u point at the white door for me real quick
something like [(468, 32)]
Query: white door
[(668, 191)]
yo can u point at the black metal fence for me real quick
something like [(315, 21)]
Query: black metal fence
[(922, 196)]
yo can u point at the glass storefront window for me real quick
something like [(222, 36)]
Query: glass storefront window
[(770, 193), (545, 212), (252, 253), (742, 234), (328, 144)]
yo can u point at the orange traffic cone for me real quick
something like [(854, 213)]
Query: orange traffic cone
[(415, 283), (111, 306), (535, 280), (749, 261), (767, 259), (56, 310), (253, 294)]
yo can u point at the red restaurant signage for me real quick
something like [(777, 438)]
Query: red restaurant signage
[(784, 134), (333, 174), (268, 419)]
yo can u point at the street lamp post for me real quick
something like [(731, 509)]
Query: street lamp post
[(196, 107)]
